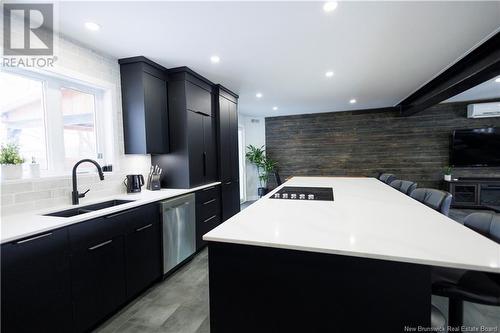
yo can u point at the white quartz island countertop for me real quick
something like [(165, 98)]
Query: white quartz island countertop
[(366, 219), (19, 226)]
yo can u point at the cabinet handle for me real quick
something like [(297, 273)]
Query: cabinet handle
[(121, 213), (208, 202), (95, 247), (228, 183), (208, 188), (204, 163), (203, 114), (210, 218), (33, 238), (145, 227)]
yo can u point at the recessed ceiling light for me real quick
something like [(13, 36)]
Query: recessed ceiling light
[(258, 95), (329, 74), (92, 26), (497, 80), (352, 101), (275, 108), (330, 6), (215, 59)]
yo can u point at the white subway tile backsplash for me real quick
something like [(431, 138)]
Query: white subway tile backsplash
[(48, 184), (17, 187), (60, 192), (18, 208), (31, 196), (7, 199)]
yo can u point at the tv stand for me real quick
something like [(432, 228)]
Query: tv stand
[(474, 192)]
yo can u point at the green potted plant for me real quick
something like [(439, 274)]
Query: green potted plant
[(447, 173), (11, 161), (265, 166)]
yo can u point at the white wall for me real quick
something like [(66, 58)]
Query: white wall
[(255, 134), (75, 61)]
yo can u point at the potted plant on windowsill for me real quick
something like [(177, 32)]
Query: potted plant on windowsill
[(11, 162), (265, 166), (447, 173)]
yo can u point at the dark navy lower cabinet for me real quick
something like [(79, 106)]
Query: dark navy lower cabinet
[(36, 284), (208, 212), (143, 249), (98, 270), (71, 279)]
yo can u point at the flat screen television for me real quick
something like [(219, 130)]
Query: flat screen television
[(475, 147)]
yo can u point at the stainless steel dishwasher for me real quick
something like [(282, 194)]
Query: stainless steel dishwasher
[(179, 233)]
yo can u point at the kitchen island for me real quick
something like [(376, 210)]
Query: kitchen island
[(361, 262)]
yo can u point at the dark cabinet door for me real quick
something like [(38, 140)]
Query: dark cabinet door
[(143, 249), (155, 100), (144, 104), (224, 139), (210, 150), (235, 196), (98, 272), (197, 167), (227, 199), (208, 213), (198, 99), (229, 157), (465, 194), (36, 285)]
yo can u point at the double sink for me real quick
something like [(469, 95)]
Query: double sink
[(89, 208)]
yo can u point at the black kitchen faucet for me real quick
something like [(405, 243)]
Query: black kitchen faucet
[(75, 196)]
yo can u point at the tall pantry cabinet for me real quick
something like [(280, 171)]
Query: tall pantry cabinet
[(226, 106)]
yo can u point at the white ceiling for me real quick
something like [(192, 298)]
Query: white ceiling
[(380, 51), (486, 90)]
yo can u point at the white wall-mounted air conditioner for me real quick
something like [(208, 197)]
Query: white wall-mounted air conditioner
[(483, 110)]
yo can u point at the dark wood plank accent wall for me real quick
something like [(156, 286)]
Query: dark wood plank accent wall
[(363, 143)]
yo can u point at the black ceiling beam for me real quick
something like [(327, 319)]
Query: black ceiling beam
[(480, 65)]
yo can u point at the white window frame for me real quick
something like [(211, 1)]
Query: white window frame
[(53, 120)]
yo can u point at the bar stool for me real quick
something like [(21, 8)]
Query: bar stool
[(472, 286), (386, 177), (435, 199), (438, 321), (404, 186)]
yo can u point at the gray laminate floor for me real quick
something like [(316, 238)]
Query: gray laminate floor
[(180, 303)]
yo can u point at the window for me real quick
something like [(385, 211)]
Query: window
[(54, 121), (78, 111), (23, 116)]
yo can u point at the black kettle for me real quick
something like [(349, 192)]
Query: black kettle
[(133, 183)]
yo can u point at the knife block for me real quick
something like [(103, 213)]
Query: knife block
[(154, 183)]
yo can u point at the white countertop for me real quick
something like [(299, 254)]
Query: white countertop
[(367, 219), (23, 225)]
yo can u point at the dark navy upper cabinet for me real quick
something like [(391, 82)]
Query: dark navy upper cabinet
[(36, 284), (144, 102), (192, 160), (198, 99)]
